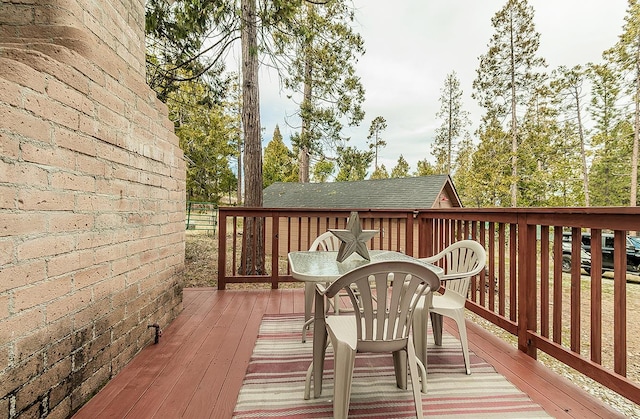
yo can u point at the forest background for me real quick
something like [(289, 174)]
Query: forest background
[(565, 136)]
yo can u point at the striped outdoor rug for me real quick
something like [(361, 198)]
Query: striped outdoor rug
[(273, 386)]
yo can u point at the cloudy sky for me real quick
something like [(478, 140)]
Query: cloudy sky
[(411, 46)]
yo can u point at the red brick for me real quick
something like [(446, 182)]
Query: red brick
[(91, 275), (4, 311), (46, 246), (112, 119), (94, 203), (8, 196), (26, 125), (64, 222), (22, 74), (10, 93), (29, 297), (69, 304), (89, 314), (15, 224), (49, 110), (113, 154), (16, 14), (31, 199), (72, 181), (90, 165), (70, 97), (109, 287), (90, 240), (33, 390), (6, 252), (110, 253), (18, 324), (48, 155), (9, 145), (69, 262), (23, 173), (73, 141), (14, 276)]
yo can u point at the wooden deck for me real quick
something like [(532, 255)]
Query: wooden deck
[(198, 366)]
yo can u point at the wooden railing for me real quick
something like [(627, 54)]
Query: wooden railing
[(579, 319)]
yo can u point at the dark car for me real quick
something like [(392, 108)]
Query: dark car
[(585, 257), (632, 245)]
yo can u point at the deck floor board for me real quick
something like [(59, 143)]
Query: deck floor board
[(197, 368)]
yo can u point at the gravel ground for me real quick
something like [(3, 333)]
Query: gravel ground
[(201, 271)]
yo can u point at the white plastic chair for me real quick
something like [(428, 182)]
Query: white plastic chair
[(326, 242), (380, 324), (461, 261)]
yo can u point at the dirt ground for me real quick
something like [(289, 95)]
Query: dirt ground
[(201, 270)]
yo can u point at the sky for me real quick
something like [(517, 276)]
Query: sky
[(411, 46)]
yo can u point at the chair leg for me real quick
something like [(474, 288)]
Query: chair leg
[(309, 290), (419, 324), (436, 326), (413, 368), (344, 360), (462, 330), (400, 368)]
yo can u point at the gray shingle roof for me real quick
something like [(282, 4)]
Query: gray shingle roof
[(405, 193)]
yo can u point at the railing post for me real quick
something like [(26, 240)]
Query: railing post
[(409, 235), (222, 249), (527, 282), (275, 250)]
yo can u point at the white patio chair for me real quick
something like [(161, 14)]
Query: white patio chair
[(326, 242), (460, 261), (380, 324)]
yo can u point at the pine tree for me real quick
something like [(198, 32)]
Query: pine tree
[(380, 173), (278, 163), (353, 164), (454, 122), (625, 55), (568, 85), (508, 74), (378, 125), (401, 168), (317, 50)]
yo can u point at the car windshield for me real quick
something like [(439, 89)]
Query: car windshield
[(635, 240)]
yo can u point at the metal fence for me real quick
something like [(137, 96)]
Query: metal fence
[(202, 216)]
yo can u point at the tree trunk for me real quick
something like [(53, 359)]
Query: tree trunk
[(583, 153), (252, 262), (636, 132), (514, 131), (303, 155)]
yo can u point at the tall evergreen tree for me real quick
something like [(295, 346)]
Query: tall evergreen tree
[(317, 51), (252, 258), (380, 173), (424, 168), (376, 142), (278, 165), (568, 85), (507, 75), (401, 168), (610, 140), (207, 134), (454, 122), (353, 163), (322, 170), (625, 55)]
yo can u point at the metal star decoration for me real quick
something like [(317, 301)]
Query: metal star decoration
[(353, 239)]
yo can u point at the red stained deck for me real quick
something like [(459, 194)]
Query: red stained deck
[(197, 368)]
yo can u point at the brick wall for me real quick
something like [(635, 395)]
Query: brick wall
[(92, 187)]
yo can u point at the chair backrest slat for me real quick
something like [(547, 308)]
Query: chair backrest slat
[(384, 296)]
